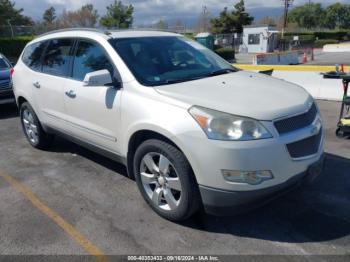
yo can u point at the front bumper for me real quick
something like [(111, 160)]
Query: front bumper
[(222, 202)]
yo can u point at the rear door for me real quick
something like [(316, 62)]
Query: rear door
[(50, 83), (92, 111)]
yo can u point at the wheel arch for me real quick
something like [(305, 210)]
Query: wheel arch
[(140, 136), (21, 100)]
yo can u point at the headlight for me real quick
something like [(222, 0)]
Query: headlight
[(222, 126)]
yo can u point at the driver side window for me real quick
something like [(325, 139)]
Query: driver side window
[(90, 57)]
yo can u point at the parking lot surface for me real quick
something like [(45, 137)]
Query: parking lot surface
[(69, 200)]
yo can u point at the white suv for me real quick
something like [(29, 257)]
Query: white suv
[(193, 130)]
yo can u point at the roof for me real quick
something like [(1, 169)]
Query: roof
[(107, 33), (139, 33)]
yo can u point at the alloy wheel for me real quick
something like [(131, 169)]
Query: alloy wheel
[(160, 181), (30, 126)]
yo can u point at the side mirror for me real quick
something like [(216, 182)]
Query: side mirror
[(98, 78)]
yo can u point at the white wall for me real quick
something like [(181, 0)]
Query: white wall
[(314, 83), (262, 46), (337, 48)]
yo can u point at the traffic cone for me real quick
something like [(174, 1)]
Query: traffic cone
[(304, 58)]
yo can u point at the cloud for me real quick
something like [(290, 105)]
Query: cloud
[(149, 11)]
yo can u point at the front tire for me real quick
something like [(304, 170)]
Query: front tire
[(32, 128), (165, 180)]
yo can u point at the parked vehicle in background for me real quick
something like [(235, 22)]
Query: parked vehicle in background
[(6, 71), (191, 129)]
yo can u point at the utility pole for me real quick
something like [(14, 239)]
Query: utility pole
[(287, 4), (205, 15)]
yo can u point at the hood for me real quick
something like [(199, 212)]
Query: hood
[(4, 74), (242, 93)]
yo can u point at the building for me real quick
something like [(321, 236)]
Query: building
[(259, 39)]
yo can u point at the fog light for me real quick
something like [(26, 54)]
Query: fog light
[(247, 177)]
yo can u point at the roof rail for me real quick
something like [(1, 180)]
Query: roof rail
[(105, 32), (111, 30)]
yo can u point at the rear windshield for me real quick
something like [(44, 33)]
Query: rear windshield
[(165, 60)]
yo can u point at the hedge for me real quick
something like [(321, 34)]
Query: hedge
[(322, 42), (302, 38), (12, 47), (327, 35), (226, 53)]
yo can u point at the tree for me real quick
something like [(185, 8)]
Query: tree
[(118, 15), (232, 22), (8, 12), (86, 16), (49, 16), (179, 26), (241, 16), (203, 24), (89, 15), (267, 20), (337, 16), (308, 16), (161, 25)]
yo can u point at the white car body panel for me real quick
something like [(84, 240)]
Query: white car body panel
[(108, 118)]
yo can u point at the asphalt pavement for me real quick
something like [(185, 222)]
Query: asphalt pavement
[(68, 200)]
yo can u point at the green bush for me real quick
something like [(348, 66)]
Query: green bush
[(302, 38), (226, 53), (326, 35), (335, 35), (189, 35), (322, 42), (12, 47)]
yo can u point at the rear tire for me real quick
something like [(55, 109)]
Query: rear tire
[(165, 180), (32, 128)]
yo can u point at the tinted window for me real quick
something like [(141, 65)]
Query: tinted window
[(164, 60), (57, 57), (89, 57), (32, 55), (3, 64)]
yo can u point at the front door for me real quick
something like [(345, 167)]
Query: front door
[(93, 112)]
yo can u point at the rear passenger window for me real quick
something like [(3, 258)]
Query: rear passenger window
[(90, 57), (32, 55), (57, 57)]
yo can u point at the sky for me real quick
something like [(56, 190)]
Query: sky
[(151, 11)]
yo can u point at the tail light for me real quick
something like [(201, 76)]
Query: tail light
[(12, 71)]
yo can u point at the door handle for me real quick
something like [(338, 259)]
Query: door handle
[(37, 85), (71, 94)]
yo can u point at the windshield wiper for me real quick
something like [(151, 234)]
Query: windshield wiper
[(214, 73), (222, 71), (174, 81)]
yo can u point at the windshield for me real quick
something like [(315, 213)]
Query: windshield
[(3, 64), (166, 60)]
